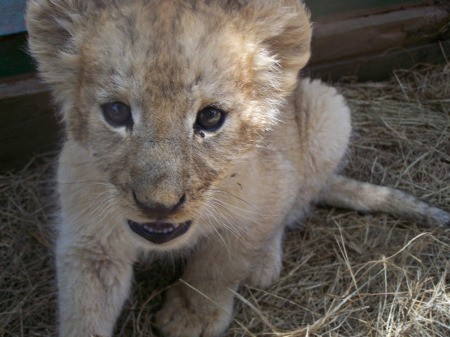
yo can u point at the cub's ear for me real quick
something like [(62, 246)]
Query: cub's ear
[(50, 25), (283, 30)]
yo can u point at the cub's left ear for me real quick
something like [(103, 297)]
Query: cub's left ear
[(283, 30)]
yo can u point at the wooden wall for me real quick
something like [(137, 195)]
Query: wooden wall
[(366, 40), (362, 40)]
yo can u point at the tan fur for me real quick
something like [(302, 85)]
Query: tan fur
[(279, 149)]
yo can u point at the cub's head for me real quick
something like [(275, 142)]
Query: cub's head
[(166, 96)]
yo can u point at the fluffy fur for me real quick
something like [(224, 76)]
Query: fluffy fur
[(278, 151)]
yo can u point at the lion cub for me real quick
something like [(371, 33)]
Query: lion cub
[(187, 130)]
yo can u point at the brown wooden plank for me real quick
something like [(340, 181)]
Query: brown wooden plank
[(370, 35), (21, 85), (28, 127), (380, 66), (324, 9)]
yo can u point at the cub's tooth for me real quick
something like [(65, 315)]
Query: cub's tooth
[(160, 229)]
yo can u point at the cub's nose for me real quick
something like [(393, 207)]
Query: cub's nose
[(158, 209)]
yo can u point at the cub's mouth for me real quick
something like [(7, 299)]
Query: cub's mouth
[(159, 232)]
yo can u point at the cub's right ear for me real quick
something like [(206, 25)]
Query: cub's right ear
[(50, 25)]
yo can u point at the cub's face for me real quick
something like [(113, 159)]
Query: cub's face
[(166, 96)]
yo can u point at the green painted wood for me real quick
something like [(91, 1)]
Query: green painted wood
[(14, 59), (11, 16)]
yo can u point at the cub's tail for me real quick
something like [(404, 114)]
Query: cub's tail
[(344, 192)]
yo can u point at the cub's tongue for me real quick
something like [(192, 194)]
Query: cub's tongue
[(159, 232)]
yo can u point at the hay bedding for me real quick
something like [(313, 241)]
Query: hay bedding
[(345, 274)]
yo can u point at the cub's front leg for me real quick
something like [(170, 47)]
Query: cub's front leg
[(202, 303), (94, 253), (93, 284)]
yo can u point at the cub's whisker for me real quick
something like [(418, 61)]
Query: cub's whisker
[(234, 196)]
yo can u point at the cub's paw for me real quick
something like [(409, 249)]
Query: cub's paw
[(267, 271), (188, 314), (264, 275)]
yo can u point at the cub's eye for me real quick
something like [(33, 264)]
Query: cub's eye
[(117, 114), (210, 119)]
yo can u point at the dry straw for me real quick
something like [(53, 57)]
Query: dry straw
[(345, 274)]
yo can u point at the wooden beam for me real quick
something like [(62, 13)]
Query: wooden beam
[(380, 66), (374, 34), (332, 10), (21, 85)]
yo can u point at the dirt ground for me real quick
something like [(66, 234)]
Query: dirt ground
[(345, 274)]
